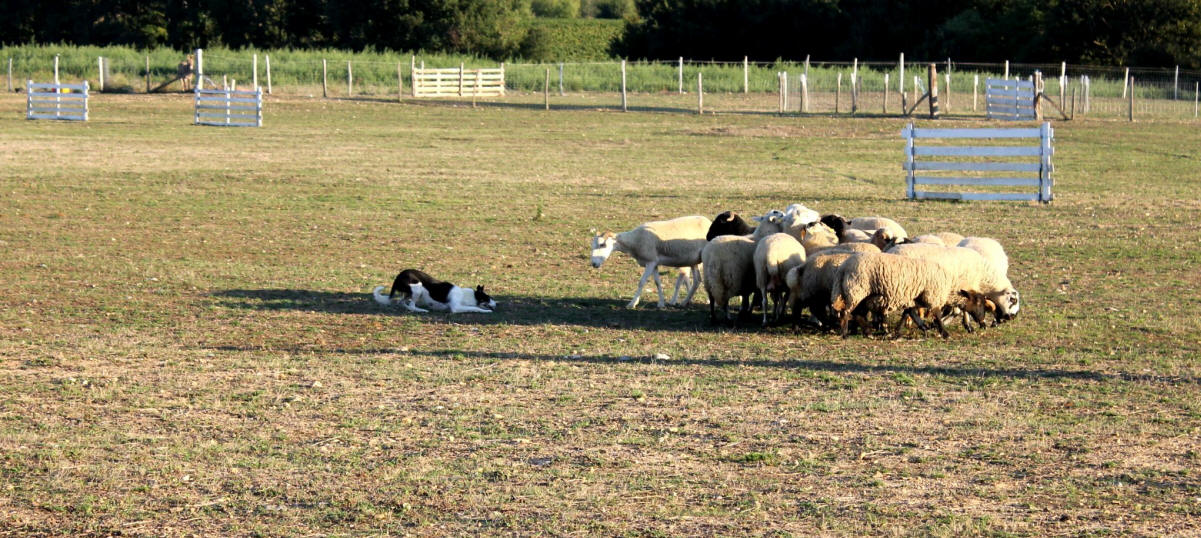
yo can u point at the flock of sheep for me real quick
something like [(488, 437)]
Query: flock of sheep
[(845, 272)]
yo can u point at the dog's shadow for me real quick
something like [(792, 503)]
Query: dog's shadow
[(511, 310)]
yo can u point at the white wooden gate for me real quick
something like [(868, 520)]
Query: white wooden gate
[(980, 167), (229, 108), (1010, 99), (458, 82), (56, 101)]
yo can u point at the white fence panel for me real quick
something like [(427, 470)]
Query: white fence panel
[(56, 101), (456, 82), (1032, 159), (229, 108), (1009, 99)]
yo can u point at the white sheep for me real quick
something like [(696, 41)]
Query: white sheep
[(860, 229), (729, 272), (947, 239), (1008, 301), (991, 250), (774, 256), (888, 282), (970, 273), (730, 267), (817, 238), (670, 243), (809, 285), (871, 224)]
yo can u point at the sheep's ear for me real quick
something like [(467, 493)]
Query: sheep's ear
[(773, 219)]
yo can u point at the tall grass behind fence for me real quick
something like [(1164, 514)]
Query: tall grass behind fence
[(1159, 93)]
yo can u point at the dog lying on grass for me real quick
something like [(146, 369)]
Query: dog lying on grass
[(414, 289)]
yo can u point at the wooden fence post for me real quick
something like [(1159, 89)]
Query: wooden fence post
[(1196, 92), (700, 93), (413, 75), (349, 80), (560, 79), (56, 69), (1038, 101), (780, 95), (1125, 82), (254, 66), (1063, 82), (947, 81), (901, 84), (461, 66), (885, 111), (10, 75), (546, 90), (932, 74), (786, 91), (746, 81), (1130, 108), (838, 93), (1073, 114), (855, 86), (804, 93), (100, 72), (1176, 84), (324, 79), (147, 73), (1006, 69), (806, 66), (479, 81), (680, 73), (624, 101), (267, 60)]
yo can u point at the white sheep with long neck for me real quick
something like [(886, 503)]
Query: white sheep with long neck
[(668, 243)]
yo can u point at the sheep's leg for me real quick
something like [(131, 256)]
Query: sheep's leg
[(942, 330), (844, 322), (696, 282), (763, 292), (675, 295), (781, 298), (651, 269), (658, 288)]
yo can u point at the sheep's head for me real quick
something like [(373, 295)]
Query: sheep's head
[(728, 223), (602, 246), (799, 215), (836, 222), (1007, 303), (884, 239), (976, 305), (772, 222)]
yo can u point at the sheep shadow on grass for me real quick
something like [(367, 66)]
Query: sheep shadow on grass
[(511, 310)]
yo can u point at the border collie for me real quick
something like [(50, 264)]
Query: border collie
[(417, 289)]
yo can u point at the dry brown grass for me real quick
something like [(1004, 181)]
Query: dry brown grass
[(187, 344)]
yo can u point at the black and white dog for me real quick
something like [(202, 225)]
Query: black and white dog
[(417, 289)]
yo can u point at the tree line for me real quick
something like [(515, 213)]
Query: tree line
[(1107, 32)]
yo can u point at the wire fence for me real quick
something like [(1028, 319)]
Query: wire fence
[(815, 87)]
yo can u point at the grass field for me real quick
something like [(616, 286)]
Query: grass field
[(188, 346)]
